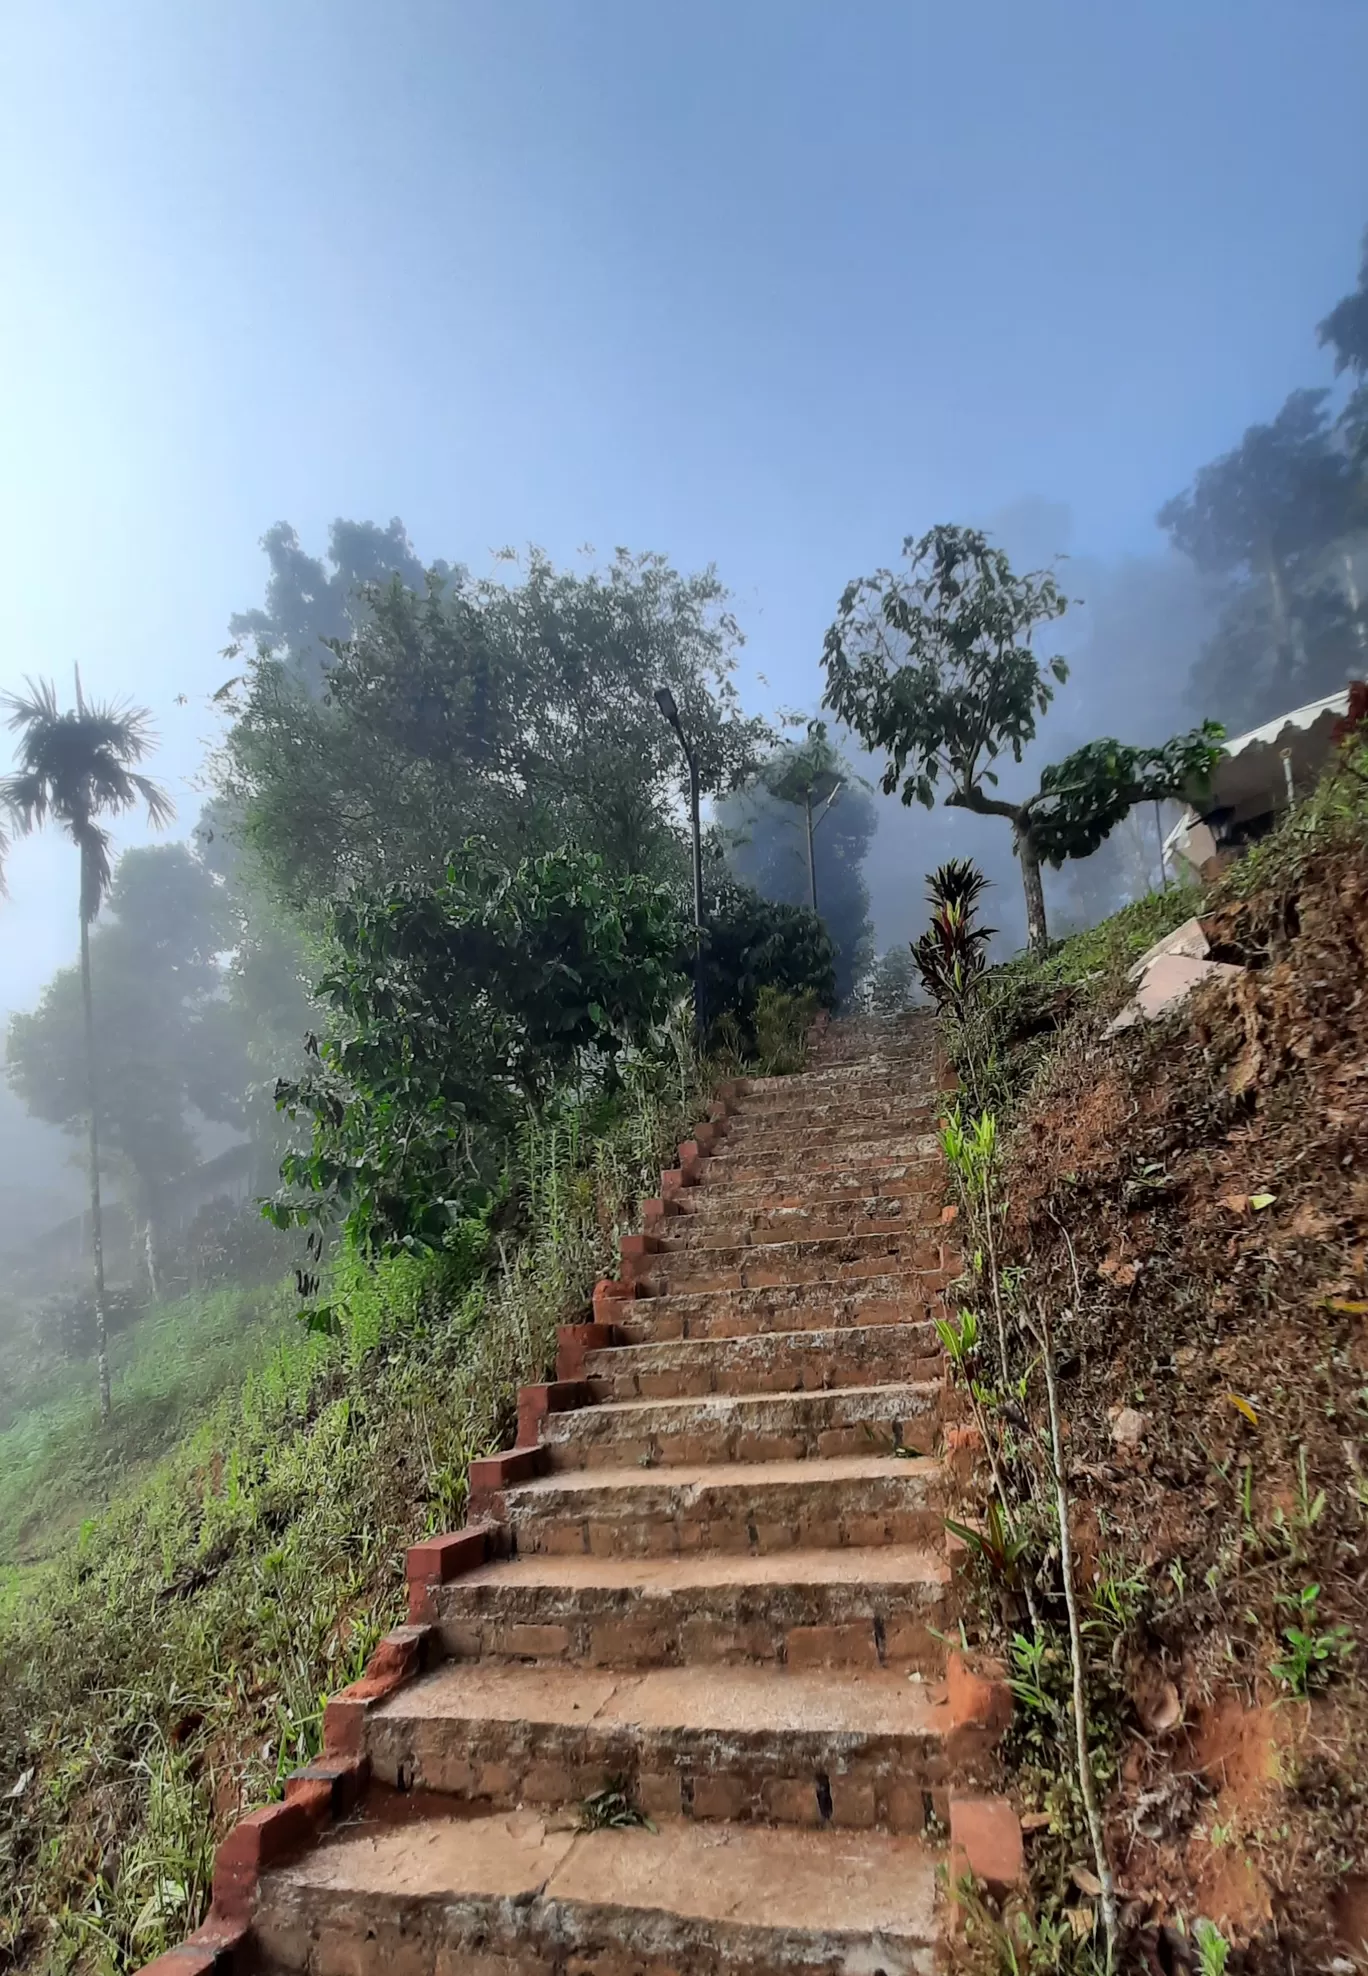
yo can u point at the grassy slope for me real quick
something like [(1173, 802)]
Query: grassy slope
[(169, 1668), (1199, 1542), (57, 1467)]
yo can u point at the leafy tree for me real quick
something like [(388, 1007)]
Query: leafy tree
[(1345, 331), (520, 712), (72, 769), (891, 983), (311, 600), (753, 944), (935, 667), (168, 1041), (799, 834), (455, 1007), (1267, 518)]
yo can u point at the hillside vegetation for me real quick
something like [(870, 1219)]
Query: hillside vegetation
[(1187, 1202), (167, 1669)]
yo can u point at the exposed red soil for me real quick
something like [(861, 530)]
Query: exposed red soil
[(1212, 1176)]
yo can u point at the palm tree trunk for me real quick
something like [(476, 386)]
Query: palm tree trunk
[(1037, 933), (96, 1227)]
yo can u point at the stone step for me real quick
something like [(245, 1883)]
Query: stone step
[(831, 1124), (776, 1744), (901, 1297), (899, 1180), (870, 1148), (761, 1427), (865, 1608), (850, 1085), (820, 1221), (765, 1362), (760, 1507), (811, 1258), (514, 1894)]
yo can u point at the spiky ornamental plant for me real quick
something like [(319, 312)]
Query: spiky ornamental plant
[(951, 954), (72, 769)]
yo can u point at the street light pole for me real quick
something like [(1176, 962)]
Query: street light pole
[(665, 700)]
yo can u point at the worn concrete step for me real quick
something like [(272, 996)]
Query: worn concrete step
[(896, 1297), (885, 1606), (787, 1745), (851, 1084), (761, 1427), (809, 1258), (909, 1172), (816, 1221), (909, 1181), (758, 1507), (766, 1362), (867, 1149), (832, 1124), (515, 1894)]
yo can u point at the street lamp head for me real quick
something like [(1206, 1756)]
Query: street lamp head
[(665, 700)]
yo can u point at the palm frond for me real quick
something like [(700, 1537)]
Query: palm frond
[(76, 766)]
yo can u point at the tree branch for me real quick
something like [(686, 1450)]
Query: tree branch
[(974, 799)]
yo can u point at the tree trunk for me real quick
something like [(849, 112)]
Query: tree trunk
[(1291, 645), (1355, 604), (150, 1256), (812, 856), (96, 1227), (1037, 934)]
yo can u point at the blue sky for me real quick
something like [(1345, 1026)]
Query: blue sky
[(765, 283)]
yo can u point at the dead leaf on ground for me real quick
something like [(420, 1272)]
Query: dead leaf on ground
[(1036, 1821), (1086, 1882), (1082, 1920), (1242, 1406), (1237, 1203), (1310, 1223), (1122, 1274)]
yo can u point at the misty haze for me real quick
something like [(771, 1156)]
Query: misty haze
[(683, 804)]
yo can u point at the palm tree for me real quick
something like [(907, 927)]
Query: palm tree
[(72, 769)]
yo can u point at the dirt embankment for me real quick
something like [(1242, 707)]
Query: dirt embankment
[(1212, 1177)]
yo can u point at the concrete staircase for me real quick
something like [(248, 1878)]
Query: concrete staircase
[(714, 1574)]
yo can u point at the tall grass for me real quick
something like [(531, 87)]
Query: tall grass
[(169, 1669)]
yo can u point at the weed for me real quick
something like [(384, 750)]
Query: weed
[(612, 1809), (1213, 1950), (1312, 1658)]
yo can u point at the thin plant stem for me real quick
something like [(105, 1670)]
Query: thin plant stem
[(1087, 1784)]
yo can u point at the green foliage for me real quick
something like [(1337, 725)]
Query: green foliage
[(612, 1809), (782, 1022), (1280, 520), (998, 1042), (752, 944), (766, 829), (934, 664), (950, 955), (166, 1035), (170, 1362), (171, 1664), (891, 983), (1213, 1950), (1312, 1657), (521, 712), (1084, 797), (456, 1006)]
